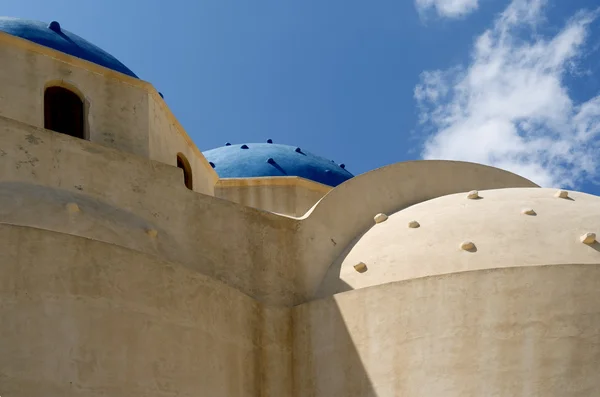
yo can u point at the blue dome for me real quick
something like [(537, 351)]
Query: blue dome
[(266, 159), (53, 36)]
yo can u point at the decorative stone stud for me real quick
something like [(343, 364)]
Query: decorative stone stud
[(72, 207), (360, 267), (270, 160), (528, 211), (343, 166), (561, 194), (152, 232), (380, 218), (467, 245), (211, 164), (227, 144), (244, 146), (588, 238), (269, 140), (473, 194), (298, 150), (413, 224)]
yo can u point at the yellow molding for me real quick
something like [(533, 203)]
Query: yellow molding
[(273, 181), (111, 74)]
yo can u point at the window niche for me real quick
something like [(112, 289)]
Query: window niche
[(64, 112), (184, 164)]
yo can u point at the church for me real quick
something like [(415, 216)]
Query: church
[(134, 265)]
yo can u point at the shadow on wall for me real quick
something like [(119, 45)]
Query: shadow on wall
[(327, 362), (332, 280), (523, 331)]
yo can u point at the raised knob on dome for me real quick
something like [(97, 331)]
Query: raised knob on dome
[(588, 238), (467, 246), (361, 267), (72, 207), (473, 195), (54, 26), (380, 218), (413, 224)]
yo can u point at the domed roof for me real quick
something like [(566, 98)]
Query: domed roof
[(267, 159), (503, 234), (53, 36)]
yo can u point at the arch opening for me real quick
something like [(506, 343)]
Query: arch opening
[(184, 164), (63, 112)]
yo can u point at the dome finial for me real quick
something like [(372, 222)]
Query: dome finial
[(55, 26)]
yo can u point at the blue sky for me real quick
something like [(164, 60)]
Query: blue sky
[(511, 83)]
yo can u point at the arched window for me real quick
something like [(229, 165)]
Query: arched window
[(63, 112), (184, 164)]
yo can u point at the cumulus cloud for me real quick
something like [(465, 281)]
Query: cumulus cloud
[(448, 8), (510, 107)]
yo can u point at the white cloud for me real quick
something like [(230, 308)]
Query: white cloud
[(510, 107), (448, 8)]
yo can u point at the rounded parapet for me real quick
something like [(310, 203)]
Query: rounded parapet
[(533, 331), (79, 304), (349, 209), (386, 189)]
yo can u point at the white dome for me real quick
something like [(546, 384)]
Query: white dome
[(502, 235)]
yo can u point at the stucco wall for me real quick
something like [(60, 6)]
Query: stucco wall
[(85, 318), (167, 139), (120, 112), (291, 196), (116, 112), (273, 258), (117, 280), (143, 205), (530, 331)]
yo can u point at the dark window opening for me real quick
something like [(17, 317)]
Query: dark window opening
[(187, 171), (63, 112)]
